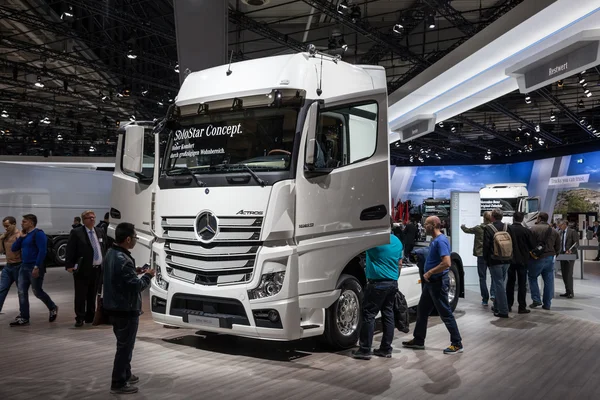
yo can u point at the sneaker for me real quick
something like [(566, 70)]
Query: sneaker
[(412, 345), (535, 304), (524, 311), (546, 308), (359, 355), (384, 354), (570, 296), (484, 303), (496, 314), (78, 323), (133, 379), (127, 389), (453, 349), (53, 314), (19, 322)]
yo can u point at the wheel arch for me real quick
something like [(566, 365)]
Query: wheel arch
[(455, 258), (354, 268)]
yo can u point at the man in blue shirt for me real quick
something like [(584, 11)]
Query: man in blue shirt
[(383, 270), (32, 244), (435, 291)]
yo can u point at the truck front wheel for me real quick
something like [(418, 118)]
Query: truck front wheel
[(343, 318), (60, 251), (453, 286)]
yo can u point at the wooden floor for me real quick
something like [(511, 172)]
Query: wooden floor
[(542, 355)]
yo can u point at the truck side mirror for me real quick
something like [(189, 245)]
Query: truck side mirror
[(311, 133), (133, 149)]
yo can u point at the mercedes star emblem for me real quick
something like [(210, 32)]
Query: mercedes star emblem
[(206, 226)]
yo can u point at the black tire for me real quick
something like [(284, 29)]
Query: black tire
[(60, 251), (344, 334), (454, 286)]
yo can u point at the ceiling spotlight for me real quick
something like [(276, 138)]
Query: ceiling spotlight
[(342, 7), (595, 131), (176, 69), (397, 144), (67, 15), (160, 103), (527, 134), (441, 124), (581, 79), (59, 137), (590, 126), (410, 147), (560, 83), (144, 92), (587, 93), (412, 159), (528, 99), (4, 114), (580, 104), (541, 142), (431, 21), (343, 44), (38, 83), (92, 149), (584, 84), (489, 151), (453, 129), (582, 121), (104, 98), (552, 116), (131, 55), (132, 118), (46, 120), (537, 127), (119, 95), (398, 29), (520, 128)]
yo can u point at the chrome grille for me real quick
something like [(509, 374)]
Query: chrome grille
[(228, 259)]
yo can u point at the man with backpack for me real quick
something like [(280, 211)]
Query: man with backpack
[(498, 253), (549, 245), (33, 246)]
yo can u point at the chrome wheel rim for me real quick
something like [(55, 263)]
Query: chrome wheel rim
[(61, 252), (347, 312), (451, 286)]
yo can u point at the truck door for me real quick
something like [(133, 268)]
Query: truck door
[(531, 207), (342, 183), (133, 184)]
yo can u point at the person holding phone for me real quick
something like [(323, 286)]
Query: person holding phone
[(85, 250), (122, 300)]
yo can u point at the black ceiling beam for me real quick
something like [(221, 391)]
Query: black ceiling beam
[(263, 30), (545, 93), (494, 105), (487, 130), (363, 27), (453, 16), (465, 141)]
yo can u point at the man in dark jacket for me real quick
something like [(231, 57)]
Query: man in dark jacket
[(544, 266), (569, 242), (498, 268), (478, 252), (122, 299), (523, 242), (85, 249), (410, 236)]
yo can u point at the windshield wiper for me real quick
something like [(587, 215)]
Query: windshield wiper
[(187, 171), (261, 182)]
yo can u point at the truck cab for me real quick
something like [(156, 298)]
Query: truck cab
[(510, 197), (274, 179)]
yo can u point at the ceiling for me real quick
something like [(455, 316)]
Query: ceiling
[(105, 61)]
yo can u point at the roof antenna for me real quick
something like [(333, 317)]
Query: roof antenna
[(229, 71), (319, 90)]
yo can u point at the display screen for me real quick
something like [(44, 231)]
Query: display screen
[(508, 206), (261, 138)]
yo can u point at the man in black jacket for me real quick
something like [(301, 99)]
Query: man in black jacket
[(410, 236), (85, 249), (122, 301), (569, 242), (523, 242)]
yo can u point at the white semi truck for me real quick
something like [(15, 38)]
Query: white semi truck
[(510, 197), (272, 179), (55, 194)]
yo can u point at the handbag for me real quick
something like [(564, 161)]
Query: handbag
[(538, 250)]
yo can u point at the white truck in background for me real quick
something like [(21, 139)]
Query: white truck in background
[(510, 197), (55, 195), (271, 180)]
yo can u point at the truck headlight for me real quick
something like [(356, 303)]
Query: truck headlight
[(270, 285), (160, 282)]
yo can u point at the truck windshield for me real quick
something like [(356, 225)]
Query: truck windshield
[(260, 138), (507, 205)]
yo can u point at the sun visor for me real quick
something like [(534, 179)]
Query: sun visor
[(559, 61)]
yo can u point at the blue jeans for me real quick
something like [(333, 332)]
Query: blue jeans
[(498, 273), (26, 279), (482, 272), (379, 296), (125, 329), (545, 267), (435, 295), (9, 275)]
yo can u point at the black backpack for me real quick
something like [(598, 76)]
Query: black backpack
[(538, 250)]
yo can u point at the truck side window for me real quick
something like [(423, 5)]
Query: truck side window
[(148, 162), (346, 135)]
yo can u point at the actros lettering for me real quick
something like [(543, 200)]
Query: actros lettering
[(248, 212)]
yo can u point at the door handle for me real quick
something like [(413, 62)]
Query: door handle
[(373, 213)]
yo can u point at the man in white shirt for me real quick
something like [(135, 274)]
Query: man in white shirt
[(85, 250)]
